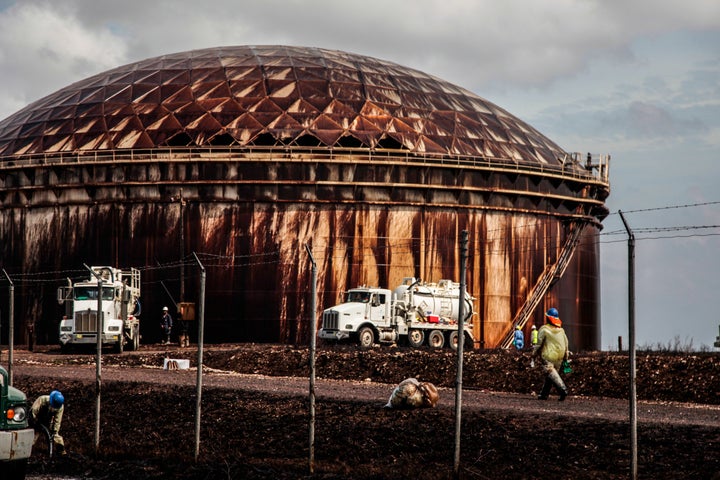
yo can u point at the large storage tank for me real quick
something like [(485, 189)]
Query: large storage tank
[(244, 155)]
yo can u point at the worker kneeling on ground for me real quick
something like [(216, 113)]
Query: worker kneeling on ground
[(411, 393), (46, 414)]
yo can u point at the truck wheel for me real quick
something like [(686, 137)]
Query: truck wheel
[(416, 338), (366, 337), (134, 343), (436, 339), (453, 340)]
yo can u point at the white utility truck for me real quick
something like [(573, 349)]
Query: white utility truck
[(415, 313), (120, 304)]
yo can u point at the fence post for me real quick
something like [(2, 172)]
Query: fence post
[(631, 348), (98, 359), (11, 328), (201, 340), (461, 342), (313, 334)]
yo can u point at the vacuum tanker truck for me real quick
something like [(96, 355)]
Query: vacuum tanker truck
[(415, 313)]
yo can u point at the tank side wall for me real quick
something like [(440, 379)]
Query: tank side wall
[(258, 272)]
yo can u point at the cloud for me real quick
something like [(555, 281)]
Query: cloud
[(640, 110), (44, 48), (525, 43), (477, 44), (651, 121), (639, 79)]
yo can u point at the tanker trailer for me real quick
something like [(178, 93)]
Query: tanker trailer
[(414, 313)]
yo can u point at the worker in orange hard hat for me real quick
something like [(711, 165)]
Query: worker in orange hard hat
[(552, 348)]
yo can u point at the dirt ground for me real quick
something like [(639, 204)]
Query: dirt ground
[(255, 415)]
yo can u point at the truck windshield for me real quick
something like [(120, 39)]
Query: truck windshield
[(90, 293), (362, 297)]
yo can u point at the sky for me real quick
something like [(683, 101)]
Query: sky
[(638, 80)]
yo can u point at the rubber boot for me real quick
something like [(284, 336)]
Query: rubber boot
[(545, 389), (563, 394), (554, 378)]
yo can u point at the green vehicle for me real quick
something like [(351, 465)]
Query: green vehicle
[(16, 438)]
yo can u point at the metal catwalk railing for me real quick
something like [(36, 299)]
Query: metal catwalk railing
[(595, 168)]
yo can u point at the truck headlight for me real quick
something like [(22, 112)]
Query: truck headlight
[(66, 329), (17, 414), (114, 329)]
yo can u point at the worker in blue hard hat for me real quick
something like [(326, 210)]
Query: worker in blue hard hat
[(46, 415), (552, 348)]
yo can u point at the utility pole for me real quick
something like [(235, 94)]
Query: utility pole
[(201, 340), (182, 248), (460, 345), (313, 334), (11, 328), (98, 359), (631, 348)]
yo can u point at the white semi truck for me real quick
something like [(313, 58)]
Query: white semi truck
[(415, 313), (120, 304)]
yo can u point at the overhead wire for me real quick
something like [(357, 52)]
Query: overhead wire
[(410, 246)]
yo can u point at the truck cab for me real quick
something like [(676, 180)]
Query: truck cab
[(366, 314), (16, 438), (119, 304)]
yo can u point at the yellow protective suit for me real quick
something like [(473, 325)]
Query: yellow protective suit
[(552, 348)]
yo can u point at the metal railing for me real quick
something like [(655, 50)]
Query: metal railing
[(594, 168)]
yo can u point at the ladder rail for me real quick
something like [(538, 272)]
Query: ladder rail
[(547, 279)]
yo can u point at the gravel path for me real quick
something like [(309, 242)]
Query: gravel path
[(649, 412)]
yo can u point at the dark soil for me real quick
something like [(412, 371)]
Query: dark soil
[(256, 425)]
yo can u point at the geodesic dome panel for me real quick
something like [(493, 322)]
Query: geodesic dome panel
[(272, 95)]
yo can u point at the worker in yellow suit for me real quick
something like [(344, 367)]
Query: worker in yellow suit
[(552, 348)]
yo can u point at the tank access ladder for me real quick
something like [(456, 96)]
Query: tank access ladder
[(550, 275)]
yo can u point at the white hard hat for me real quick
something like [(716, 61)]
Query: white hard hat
[(165, 309)]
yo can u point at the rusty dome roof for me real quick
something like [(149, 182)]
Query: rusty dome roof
[(247, 96)]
